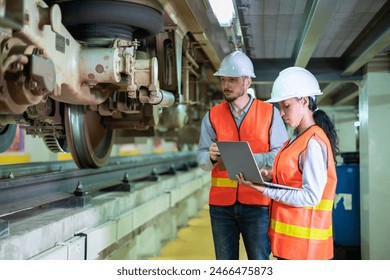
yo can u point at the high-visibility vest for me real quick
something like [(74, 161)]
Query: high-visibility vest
[(302, 232), (254, 128)]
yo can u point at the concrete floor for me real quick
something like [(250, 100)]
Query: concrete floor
[(194, 242)]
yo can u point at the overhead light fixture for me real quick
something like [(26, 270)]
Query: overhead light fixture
[(224, 11)]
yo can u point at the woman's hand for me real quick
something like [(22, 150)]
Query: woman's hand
[(241, 180)]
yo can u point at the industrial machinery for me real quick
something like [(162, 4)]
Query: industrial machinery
[(84, 75)]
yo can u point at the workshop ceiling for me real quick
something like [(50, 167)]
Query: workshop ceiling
[(333, 39)]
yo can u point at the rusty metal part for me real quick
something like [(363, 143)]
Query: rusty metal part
[(25, 77)]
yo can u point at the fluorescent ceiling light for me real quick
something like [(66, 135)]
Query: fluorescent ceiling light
[(223, 11)]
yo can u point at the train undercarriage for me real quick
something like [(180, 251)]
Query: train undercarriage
[(85, 75)]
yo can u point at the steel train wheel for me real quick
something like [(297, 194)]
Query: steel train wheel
[(90, 142), (7, 135), (99, 22)]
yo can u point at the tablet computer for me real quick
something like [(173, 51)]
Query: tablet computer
[(238, 158)]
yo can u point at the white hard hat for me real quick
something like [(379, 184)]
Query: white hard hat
[(236, 64), (294, 82)]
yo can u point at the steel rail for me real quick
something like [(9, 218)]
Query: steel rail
[(46, 183)]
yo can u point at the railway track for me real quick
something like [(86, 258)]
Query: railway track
[(26, 187)]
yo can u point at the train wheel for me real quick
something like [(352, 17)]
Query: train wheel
[(99, 22), (90, 142), (7, 135)]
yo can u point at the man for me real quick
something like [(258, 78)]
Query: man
[(237, 209)]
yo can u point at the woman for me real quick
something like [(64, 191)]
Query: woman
[(301, 219)]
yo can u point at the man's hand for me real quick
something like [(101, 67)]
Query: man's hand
[(214, 152)]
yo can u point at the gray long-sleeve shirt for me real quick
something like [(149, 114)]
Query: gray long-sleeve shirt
[(314, 178), (278, 135)]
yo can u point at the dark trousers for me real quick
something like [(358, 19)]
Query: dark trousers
[(252, 222)]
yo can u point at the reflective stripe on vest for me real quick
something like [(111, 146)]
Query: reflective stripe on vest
[(325, 205), (224, 182), (301, 232)]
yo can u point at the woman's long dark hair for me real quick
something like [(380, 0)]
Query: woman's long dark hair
[(323, 120)]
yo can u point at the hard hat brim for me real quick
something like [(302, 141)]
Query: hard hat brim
[(278, 99), (217, 74)]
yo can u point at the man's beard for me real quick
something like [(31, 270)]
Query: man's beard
[(233, 98)]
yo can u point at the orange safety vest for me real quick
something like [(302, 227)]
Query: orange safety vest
[(254, 128), (302, 232)]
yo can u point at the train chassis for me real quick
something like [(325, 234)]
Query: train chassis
[(83, 75)]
